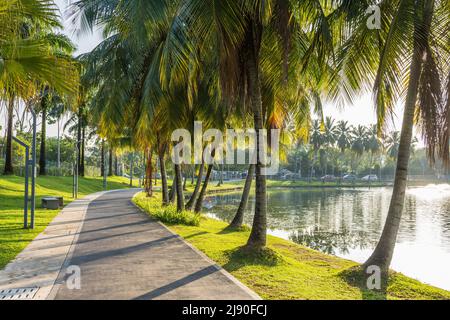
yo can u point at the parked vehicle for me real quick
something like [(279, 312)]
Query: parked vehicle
[(349, 177), (370, 177), (328, 177)]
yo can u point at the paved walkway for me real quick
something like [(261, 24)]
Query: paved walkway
[(123, 254)]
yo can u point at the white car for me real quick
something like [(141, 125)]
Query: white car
[(370, 177)]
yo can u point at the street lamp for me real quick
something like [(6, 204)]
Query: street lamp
[(33, 170), (27, 157)]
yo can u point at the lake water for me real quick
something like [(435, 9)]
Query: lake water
[(348, 223)]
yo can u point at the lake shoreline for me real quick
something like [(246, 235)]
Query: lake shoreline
[(287, 270)]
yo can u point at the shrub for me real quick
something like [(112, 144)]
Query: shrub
[(166, 214)]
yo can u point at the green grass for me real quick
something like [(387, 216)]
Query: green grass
[(166, 214), (13, 238), (286, 270)]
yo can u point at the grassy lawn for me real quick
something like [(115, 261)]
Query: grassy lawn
[(287, 270), (13, 238)]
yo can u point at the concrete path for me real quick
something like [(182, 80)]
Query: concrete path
[(123, 254)]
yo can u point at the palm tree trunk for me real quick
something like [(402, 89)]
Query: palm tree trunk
[(193, 199), (179, 188), (42, 160), (116, 165), (131, 169), (239, 217), (184, 180), (9, 169), (382, 255), (162, 166), (258, 235), (172, 194), (201, 196), (110, 161), (102, 159), (148, 174)]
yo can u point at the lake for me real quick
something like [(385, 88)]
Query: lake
[(348, 223)]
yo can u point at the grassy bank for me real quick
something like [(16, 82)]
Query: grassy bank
[(13, 238), (287, 270)]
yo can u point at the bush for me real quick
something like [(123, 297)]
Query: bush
[(166, 214)]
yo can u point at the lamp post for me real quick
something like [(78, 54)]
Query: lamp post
[(27, 157), (33, 170), (75, 170)]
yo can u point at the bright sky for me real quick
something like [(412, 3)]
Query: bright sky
[(361, 112)]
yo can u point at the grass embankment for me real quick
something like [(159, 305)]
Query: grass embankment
[(286, 270), (13, 238)]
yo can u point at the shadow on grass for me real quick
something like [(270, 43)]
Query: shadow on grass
[(356, 277), (245, 256), (195, 234), (229, 229)]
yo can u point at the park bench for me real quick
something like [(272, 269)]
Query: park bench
[(52, 202)]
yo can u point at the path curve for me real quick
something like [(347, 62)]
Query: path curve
[(121, 253)]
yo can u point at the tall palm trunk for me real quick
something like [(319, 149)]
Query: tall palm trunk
[(148, 174), (382, 255), (179, 188), (239, 217), (102, 159), (193, 199), (9, 169), (201, 196), (184, 181), (110, 161), (258, 235), (116, 165), (172, 194), (162, 166), (42, 157)]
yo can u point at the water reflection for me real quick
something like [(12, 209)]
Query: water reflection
[(349, 222)]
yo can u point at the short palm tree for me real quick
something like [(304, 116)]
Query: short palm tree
[(28, 60)]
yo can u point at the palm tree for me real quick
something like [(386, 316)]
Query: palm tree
[(239, 217), (343, 141), (373, 143), (359, 140), (239, 39), (407, 47), (343, 135), (27, 61), (393, 144), (316, 141), (329, 136)]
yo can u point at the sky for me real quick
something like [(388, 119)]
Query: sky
[(361, 112)]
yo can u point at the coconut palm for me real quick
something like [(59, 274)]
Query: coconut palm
[(343, 131), (27, 61), (405, 58), (330, 136), (234, 37), (392, 144), (359, 140)]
